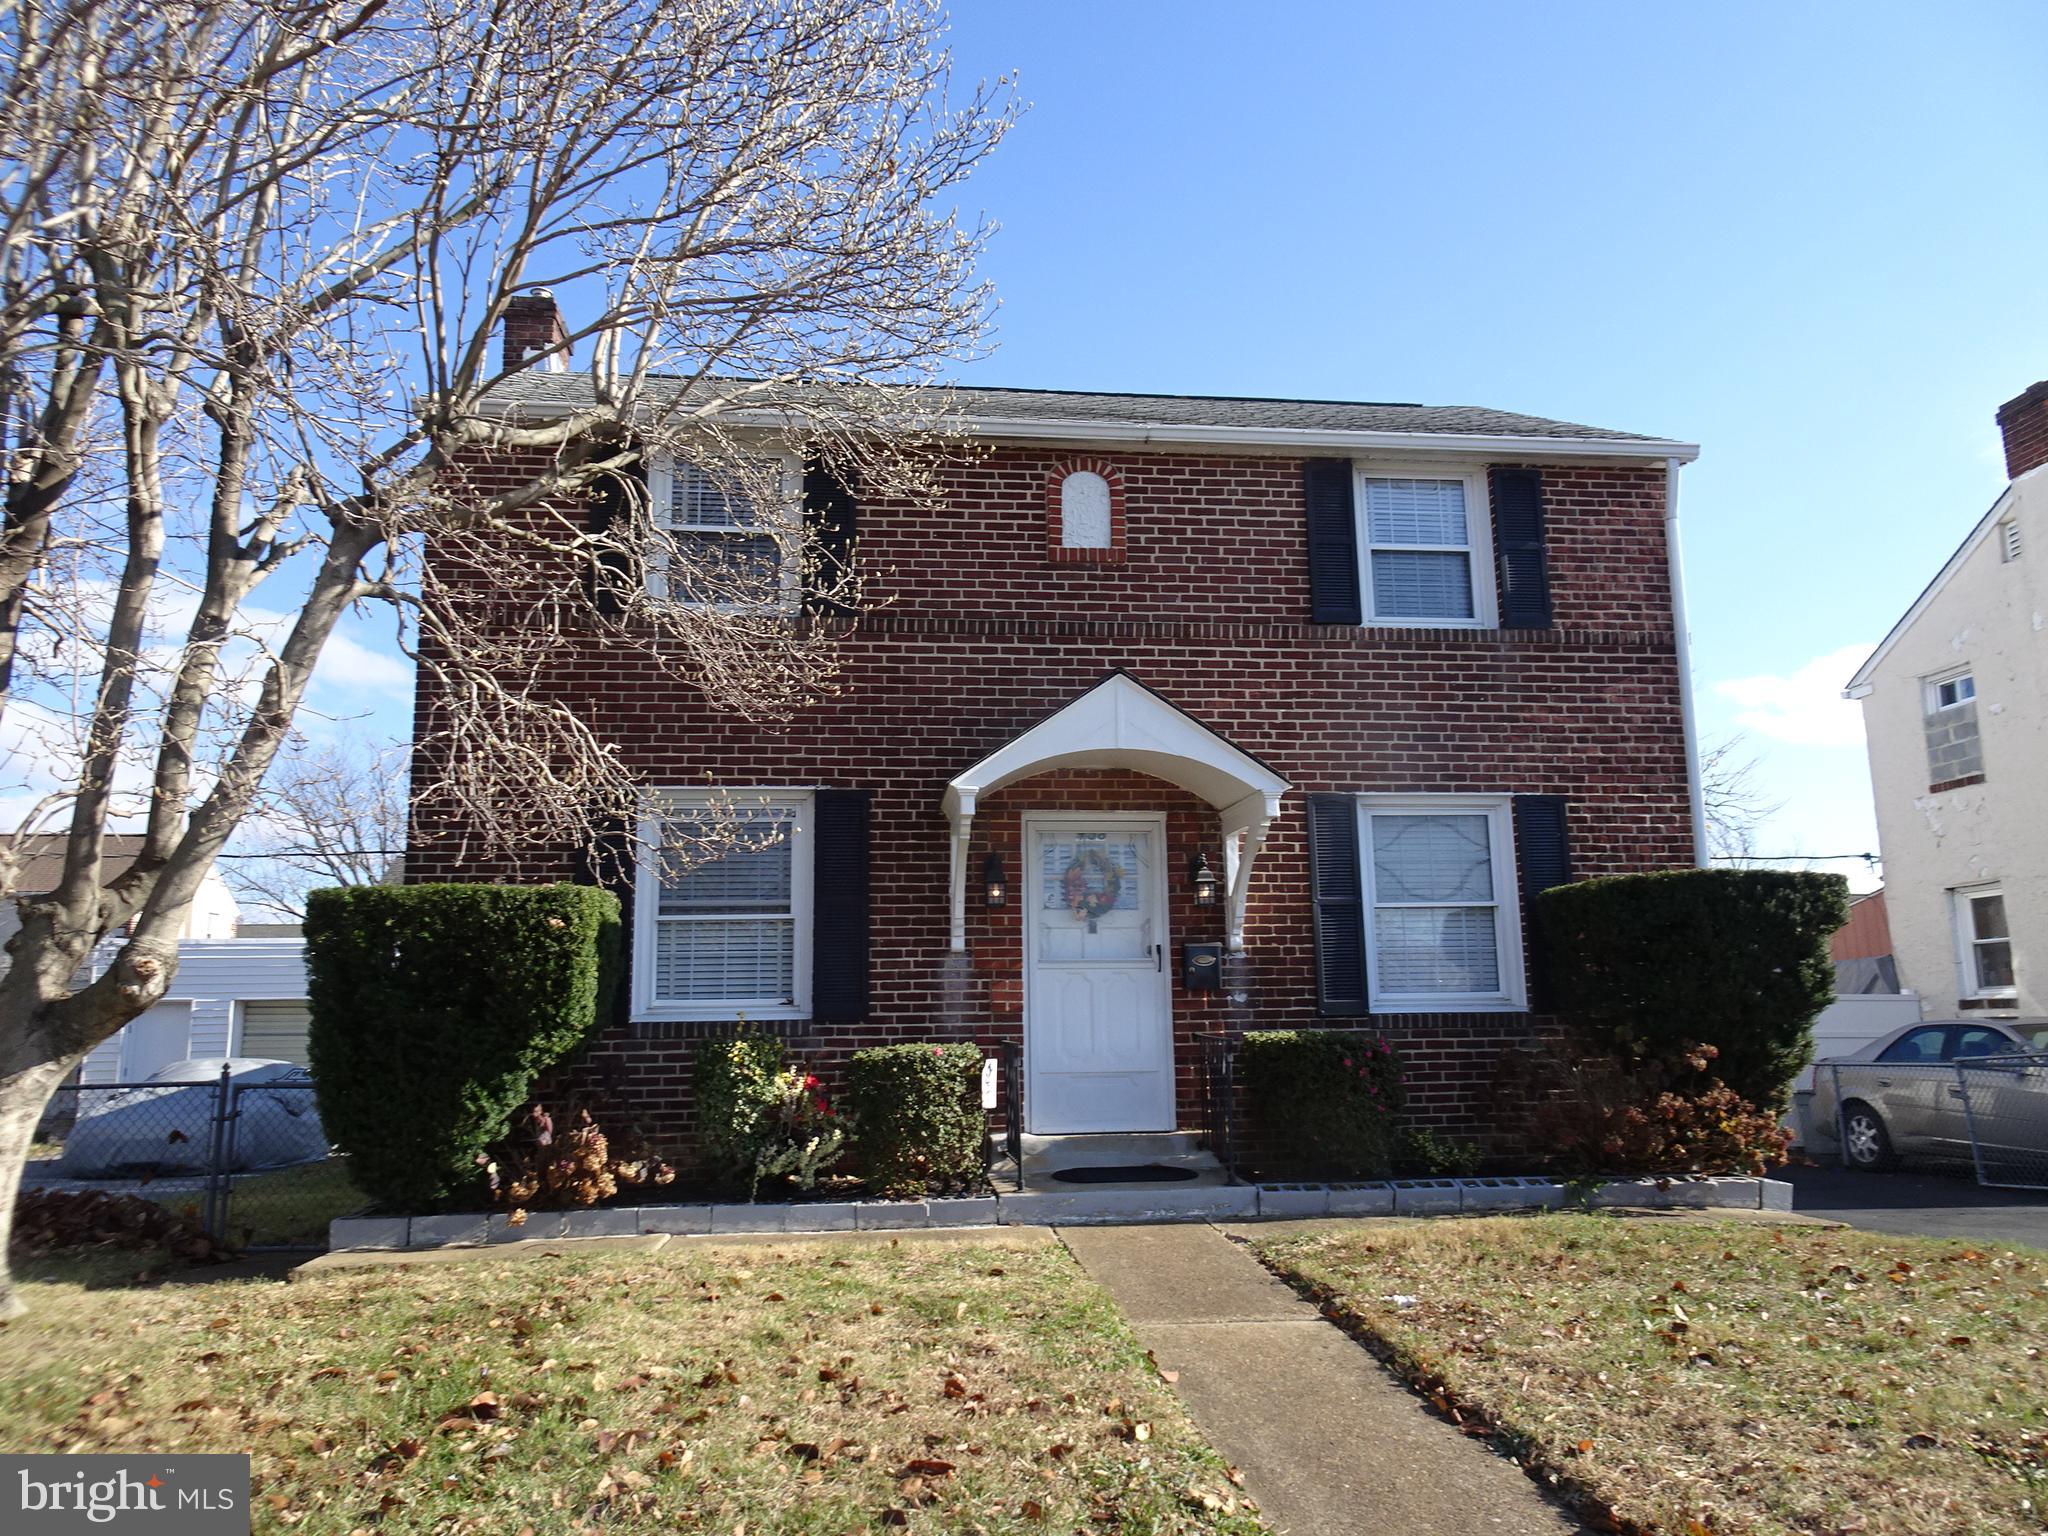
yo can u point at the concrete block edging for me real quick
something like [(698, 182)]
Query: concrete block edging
[(1271, 1202)]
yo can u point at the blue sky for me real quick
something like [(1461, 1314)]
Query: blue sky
[(1810, 238)]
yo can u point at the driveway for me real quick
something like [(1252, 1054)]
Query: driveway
[(1927, 1202)]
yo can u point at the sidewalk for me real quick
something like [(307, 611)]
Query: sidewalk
[(1328, 1442)]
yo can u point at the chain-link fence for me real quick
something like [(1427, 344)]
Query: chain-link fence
[(1989, 1111), (246, 1160), (2005, 1102)]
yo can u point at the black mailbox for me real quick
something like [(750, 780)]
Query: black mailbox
[(1201, 967)]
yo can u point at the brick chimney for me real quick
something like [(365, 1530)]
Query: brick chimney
[(533, 328), (2024, 421)]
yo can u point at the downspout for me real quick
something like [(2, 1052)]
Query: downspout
[(1695, 792)]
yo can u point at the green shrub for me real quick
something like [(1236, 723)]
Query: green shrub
[(918, 1121), (1647, 966), (738, 1085), (434, 1008), (1322, 1103), (760, 1119), (1421, 1153)]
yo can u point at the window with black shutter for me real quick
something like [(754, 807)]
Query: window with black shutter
[(1520, 547), (1332, 542), (841, 925), (1543, 858), (1338, 897)]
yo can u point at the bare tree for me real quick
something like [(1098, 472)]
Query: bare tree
[(331, 813), (255, 256), (1736, 804)]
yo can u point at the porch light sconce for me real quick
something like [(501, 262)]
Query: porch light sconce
[(995, 889), (1204, 880)]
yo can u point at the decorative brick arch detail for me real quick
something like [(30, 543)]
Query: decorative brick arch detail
[(1057, 552)]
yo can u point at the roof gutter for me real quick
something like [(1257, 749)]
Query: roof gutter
[(1689, 725), (1522, 448), (1333, 440)]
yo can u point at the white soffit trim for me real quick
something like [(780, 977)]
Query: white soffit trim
[(1120, 723), (1860, 686)]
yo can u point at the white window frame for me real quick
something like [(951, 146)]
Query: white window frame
[(661, 504), (1478, 533), (1513, 995), (664, 804), (1941, 680), (1968, 983)]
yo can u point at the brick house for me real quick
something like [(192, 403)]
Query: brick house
[(1188, 715)]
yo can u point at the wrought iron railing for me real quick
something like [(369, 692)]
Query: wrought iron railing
[(1219, 1097)]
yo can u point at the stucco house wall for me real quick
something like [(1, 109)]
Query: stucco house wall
[(1987, 612)]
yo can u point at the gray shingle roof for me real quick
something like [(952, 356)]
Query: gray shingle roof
[(992, 407)]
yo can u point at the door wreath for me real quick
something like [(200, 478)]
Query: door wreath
[(1086, 898)]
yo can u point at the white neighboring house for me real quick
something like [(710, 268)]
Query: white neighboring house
[(240, 988), (1955, 710)]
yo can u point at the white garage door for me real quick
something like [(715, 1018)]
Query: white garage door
[(275, 1031)]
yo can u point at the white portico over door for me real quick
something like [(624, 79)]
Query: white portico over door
[(1098, 997)]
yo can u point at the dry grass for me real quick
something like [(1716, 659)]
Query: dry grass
[(827, 1388), (1721, 1377)]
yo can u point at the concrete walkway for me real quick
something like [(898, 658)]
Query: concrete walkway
[(1329, 1443)]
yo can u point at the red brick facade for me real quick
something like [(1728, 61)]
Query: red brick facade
[(982, 636)]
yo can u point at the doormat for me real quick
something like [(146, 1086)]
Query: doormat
[(1135, 1173)]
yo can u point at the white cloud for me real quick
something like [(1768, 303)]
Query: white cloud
[(1805, 706), (346, 662)]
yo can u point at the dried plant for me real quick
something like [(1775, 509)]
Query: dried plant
[(254, 260)]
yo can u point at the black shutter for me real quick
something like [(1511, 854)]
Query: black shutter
[(1518, 539), (1332, 543), (610, 576), (839, 905), (831, 512), (1339, 898), (607, 862), (1543, 855)]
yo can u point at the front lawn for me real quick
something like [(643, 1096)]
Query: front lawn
[(807, 1388), (1702, 1377)]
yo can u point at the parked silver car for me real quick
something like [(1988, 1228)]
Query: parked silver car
[(1901, 1096)]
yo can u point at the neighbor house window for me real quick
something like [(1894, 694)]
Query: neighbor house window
[(729, 535), (1427, 549), (724, 907), (1984, 943), (1442, 930), (1954, 749)]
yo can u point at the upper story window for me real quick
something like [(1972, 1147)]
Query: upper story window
[(723, 908), (1442, 929), (1954, 748), (1084, 513), (1427, 549), (1984, 943), (729, 537)]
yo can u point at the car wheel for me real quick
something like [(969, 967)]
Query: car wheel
[(1865, 1143)]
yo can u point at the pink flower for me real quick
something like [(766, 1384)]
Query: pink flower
[(1347, 1061), (938, 1050)]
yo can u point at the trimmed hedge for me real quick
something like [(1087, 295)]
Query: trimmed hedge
[(1645, 965), (919, 1127), (434, 1007), (738, 1086), (1323, 1103)]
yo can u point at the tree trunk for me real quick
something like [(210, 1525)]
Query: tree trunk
[(29, 1074)]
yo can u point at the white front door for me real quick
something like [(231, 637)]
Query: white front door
[(1098, 1000), (153, 1040)]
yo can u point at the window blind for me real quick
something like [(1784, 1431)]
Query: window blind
[(1435, 920)]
